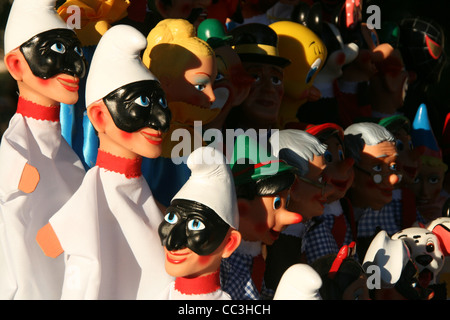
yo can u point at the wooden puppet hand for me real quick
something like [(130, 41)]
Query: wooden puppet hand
[(29, 179)]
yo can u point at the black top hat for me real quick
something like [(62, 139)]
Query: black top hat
[(256, 42)]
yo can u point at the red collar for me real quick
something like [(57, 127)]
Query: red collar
[(131, 168), (199, 285), (36, 111)]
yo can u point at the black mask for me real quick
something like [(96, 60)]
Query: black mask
[(139, 105), (193, 225), (54, 52)]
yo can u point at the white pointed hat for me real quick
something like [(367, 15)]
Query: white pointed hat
[(299, 282), (116, 62), (28, 18), (211, 183)]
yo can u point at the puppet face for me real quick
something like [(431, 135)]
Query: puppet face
[(307, 53), (309, 193), (139, 105), (263, 101), (266, 217), (338, 169), (50, 67), (408, 160), (375, 175), (189, 224), (194, 239), (425, 252), (55, 52), (196, 87), (428, 184)]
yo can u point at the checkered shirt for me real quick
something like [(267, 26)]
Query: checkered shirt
[(236, 278), (388, 218), (319, 240)]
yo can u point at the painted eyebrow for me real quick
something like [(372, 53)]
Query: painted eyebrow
[(311, 43)]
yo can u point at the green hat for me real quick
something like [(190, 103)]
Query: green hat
[(213, 32), (251, 161), (396, 122)]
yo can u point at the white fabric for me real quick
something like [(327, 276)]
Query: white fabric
[(116, 62), (109, 233), (29, 18), (25, 272), (171, 294)]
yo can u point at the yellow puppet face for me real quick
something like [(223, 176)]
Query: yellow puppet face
[(306, 51)]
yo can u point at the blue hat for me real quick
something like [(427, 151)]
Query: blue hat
[(422, 134)]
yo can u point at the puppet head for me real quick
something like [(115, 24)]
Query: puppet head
[(42, 54), (425, 252), (306, 153), (339, 169), (125, 102), (257, 47), (373, 149), (185, 66), (232, 83), (429, 181), (408, 160), (307, 53), (200, 225), (262, 184), (391, 259)]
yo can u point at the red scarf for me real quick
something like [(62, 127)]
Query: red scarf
[(131, 168), (36, 111), (199, 285)]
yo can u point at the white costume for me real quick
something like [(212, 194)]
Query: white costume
[(109, 228), (34, 138), (109, 233)]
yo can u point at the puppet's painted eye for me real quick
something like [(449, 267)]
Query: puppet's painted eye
[(433, 179), (328, 156), (377, 168), (163, 102), (393, 167), (58, 47), (341, 155), (276, 81), (312, 71), (171, 218), (142, 101), (430, 246), (277, 202), (78, 51), (196, 225), (200, 87), (219, 77)]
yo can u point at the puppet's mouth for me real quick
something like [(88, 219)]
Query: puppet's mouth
[(176, 258), (69, 84), (153, 138), (425, 277)]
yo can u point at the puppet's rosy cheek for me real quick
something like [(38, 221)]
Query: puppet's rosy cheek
[(126, 135)]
